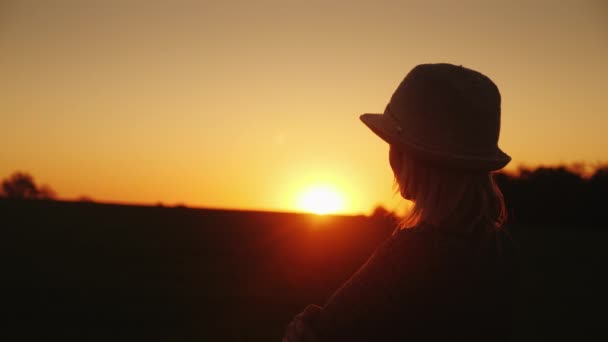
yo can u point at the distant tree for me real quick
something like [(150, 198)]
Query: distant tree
[(380, 212), (85, 198), (21, 185), (46, 192), (600, 177)]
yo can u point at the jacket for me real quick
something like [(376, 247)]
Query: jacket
[(423, 284)]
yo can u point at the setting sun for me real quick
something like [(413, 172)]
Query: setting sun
[(321, 200)]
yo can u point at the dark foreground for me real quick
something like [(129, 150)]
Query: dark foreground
[(92, 272)]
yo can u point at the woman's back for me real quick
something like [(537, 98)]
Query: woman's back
[(436, 279), (425, 284)]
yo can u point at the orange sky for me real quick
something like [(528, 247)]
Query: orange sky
[(245, 104)]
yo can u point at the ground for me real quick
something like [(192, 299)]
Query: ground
[(85, 271)]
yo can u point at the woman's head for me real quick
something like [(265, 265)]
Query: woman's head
[(446, 197), (442, 124)]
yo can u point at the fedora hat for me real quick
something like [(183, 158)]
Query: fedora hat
[(444, 114)]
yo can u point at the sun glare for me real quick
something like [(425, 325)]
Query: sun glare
[(321, 200)]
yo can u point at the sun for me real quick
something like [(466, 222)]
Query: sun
[(321, 200)]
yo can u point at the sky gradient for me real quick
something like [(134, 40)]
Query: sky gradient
[(246, 104)]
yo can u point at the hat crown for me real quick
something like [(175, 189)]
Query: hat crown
[(448, 108)]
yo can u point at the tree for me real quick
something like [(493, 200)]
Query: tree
[(46, 192), (21, 185)]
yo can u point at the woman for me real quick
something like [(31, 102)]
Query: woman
[(447, 271)]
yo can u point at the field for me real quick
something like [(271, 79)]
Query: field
[(99, 272)]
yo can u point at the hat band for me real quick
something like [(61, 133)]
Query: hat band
[(394, 119), (412, 138)]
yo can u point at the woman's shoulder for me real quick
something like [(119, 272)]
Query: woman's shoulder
[(433, 238), (410, 245), (414, 237), (424, 234)]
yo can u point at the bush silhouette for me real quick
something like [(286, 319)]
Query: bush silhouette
[(558, 196)]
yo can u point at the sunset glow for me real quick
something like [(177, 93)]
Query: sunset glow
[(321, 200)]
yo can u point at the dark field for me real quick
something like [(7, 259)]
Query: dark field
[(93, 272)]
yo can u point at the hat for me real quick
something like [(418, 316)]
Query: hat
[(445, 114)]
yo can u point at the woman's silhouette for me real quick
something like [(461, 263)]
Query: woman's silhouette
[(447, 272)]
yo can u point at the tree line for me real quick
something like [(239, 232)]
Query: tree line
[(556, 196), (544, 196)]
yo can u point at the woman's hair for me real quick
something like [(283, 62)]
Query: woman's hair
[(451, 198)]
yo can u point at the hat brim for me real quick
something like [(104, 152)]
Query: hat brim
[(392, 134)]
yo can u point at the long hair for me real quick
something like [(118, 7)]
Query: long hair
[(450, 198)]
